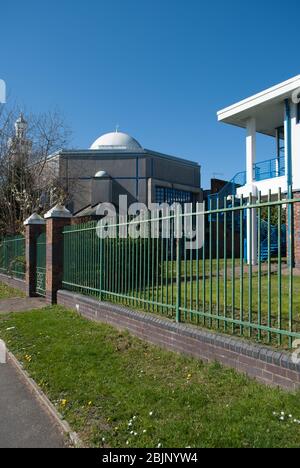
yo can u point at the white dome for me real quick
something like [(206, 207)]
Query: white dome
[(101, 174), (116, 140)]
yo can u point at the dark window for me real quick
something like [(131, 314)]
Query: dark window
[(170, 196), (298, 113)]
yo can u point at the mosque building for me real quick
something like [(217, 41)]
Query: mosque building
[(117, 164)]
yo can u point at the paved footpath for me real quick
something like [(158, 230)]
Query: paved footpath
[(23, 421), (22, 304)]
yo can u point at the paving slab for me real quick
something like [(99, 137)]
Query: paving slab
[(21, 304), (24, 423)]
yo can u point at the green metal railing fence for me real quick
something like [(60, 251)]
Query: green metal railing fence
[(12, 256), (211, 286), (41, 264)]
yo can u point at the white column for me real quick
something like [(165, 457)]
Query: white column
[(252, 245), (251, 148), (251, 214)]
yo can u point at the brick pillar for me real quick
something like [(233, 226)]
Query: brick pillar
[(56, 220), (34, 226), (297, 230)]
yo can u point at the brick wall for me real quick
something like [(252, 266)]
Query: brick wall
[(13, 282), (264, 364), (217, 185)]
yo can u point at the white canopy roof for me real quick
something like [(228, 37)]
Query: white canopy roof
[(267, 107)]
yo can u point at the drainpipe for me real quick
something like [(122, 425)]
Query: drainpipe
[(289, 145)]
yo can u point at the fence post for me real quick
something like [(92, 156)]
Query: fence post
[(56, 220), (34, 226), (178, 280), (101, 270)]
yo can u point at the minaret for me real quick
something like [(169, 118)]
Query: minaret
[(21, 127), (19, 146)]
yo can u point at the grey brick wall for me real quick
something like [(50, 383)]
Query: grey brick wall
[(266, 365)]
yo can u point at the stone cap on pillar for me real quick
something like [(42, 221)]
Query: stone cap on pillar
[(58, 211), (34, 219)]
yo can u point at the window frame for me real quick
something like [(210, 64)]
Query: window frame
[(172, 195)]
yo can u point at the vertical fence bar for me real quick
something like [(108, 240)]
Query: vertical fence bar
[(241, 263), (259, 268), (204, 269), (225, 265), (269, 270), (279, 266), (157, 263), (153, 263), (148, 261), (172, 259), (250, 261), (167, 299), (162, 266), (101, 263), (178, 280), (185, 276), (291, 261), (132, 270), (125, 258), (218, 263), (145, 240), (191, 272), (210, 267), (233, 262), (197, 274)]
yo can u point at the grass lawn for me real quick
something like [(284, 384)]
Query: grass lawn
[(118, 391), (6, 292)]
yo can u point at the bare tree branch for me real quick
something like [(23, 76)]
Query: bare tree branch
[(28, 180)]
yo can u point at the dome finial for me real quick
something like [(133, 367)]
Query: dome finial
[(117, 128)]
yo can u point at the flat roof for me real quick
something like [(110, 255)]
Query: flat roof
[(266, 106), (115, 154)]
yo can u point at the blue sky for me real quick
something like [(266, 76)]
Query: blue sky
[(159, 68)]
